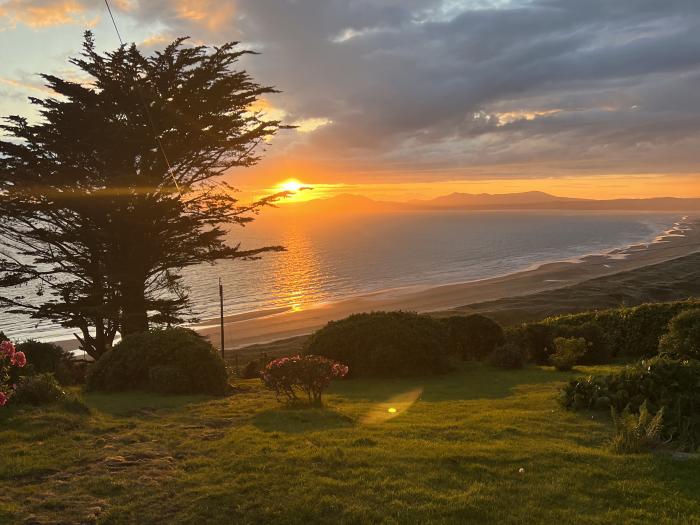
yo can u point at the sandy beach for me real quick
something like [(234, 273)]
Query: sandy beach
[(262, 327)]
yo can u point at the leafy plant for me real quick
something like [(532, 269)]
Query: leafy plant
[(636, 433), (473, 336), (384, 344), (629, 331), (309, 374), (38, 389), (128, 365), (683, 337), (535, 341), (659, 382), (508, 356), (50, 357), (569, 350)]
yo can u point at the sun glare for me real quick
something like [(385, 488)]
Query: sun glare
[(290, 185)]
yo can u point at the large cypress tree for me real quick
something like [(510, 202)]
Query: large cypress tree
[(118, 186)]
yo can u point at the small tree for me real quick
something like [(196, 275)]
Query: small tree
[(117, 187), (683, 337), (568, 351)]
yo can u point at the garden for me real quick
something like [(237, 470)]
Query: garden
[(385, 417)]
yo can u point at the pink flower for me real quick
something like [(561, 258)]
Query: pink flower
[(3, 399), (19, 359), (7, 348)]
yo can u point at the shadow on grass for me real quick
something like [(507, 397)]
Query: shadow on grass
[(293, 420), (138, 403), (471, 381)]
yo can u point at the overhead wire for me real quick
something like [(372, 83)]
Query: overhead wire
[(151, 123)]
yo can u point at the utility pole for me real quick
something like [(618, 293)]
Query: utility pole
[(221, 313)]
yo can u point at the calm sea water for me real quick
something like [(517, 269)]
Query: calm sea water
[(330, 259)]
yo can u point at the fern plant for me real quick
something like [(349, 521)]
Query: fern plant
[(636, 433)]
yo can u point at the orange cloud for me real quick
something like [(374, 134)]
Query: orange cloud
[(38, 14), (212, 14), (23, 85)]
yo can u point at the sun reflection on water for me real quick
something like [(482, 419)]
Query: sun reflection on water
[(298, 280)]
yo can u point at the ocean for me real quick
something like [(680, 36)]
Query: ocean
[(329, 259)]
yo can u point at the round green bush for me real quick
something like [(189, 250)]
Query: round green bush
[(683, 337), (508, 356), (172, 360), (384, 344), (473, 336), (534, 340), (51, 358), (39, 389)]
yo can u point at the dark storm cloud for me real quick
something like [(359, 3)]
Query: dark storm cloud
[(457, 83)]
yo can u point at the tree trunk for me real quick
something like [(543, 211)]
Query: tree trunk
[(134, 311)]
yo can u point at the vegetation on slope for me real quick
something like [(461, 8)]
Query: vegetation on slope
[(452, 453)]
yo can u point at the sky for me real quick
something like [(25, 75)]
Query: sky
[(418, 98)]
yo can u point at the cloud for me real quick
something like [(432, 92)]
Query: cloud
[(472, 86), (43, 13)]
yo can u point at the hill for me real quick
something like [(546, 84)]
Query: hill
[(532, 200)]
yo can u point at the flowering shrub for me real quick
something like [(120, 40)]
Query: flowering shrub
[(10, 359), (308, 374)]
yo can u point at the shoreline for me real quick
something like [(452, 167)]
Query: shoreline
[(248, 329), (276, 324)]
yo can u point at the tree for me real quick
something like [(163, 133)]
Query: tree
[(118, 186)]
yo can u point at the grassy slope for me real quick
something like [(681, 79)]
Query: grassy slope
[(673, 280), (452, 457)]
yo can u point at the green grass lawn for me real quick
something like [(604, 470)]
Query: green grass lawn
[(451, 453)]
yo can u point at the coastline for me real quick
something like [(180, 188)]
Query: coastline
[(248, 329), (272, 325)]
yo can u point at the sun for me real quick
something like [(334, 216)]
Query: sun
[(290, 185)]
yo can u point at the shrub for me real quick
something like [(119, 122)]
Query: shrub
[(596, 352), (473, 336), (535, 341), (128, 365), (384, 344), (51, 358), (168, 380), (10, 361), (251, 370), (632, 332), (660, 382), (636, 433), (309, 374), (569, 351), (508, 356), (38, 389), (683, 337)]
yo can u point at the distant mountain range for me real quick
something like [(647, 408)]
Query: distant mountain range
[(531, 200)]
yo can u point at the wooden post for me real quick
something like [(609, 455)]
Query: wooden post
[(221, 312)]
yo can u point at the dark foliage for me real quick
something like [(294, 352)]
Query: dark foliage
[(569, 352), (93, 214), (252, 369), (51, 358), (384, 344), (535, 341), (179, 354), (473, 336), (508, 356), (683, 338), (660, 382), (629, 332), (38, 389)]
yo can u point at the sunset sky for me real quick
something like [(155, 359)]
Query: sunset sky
[(403, 99)]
